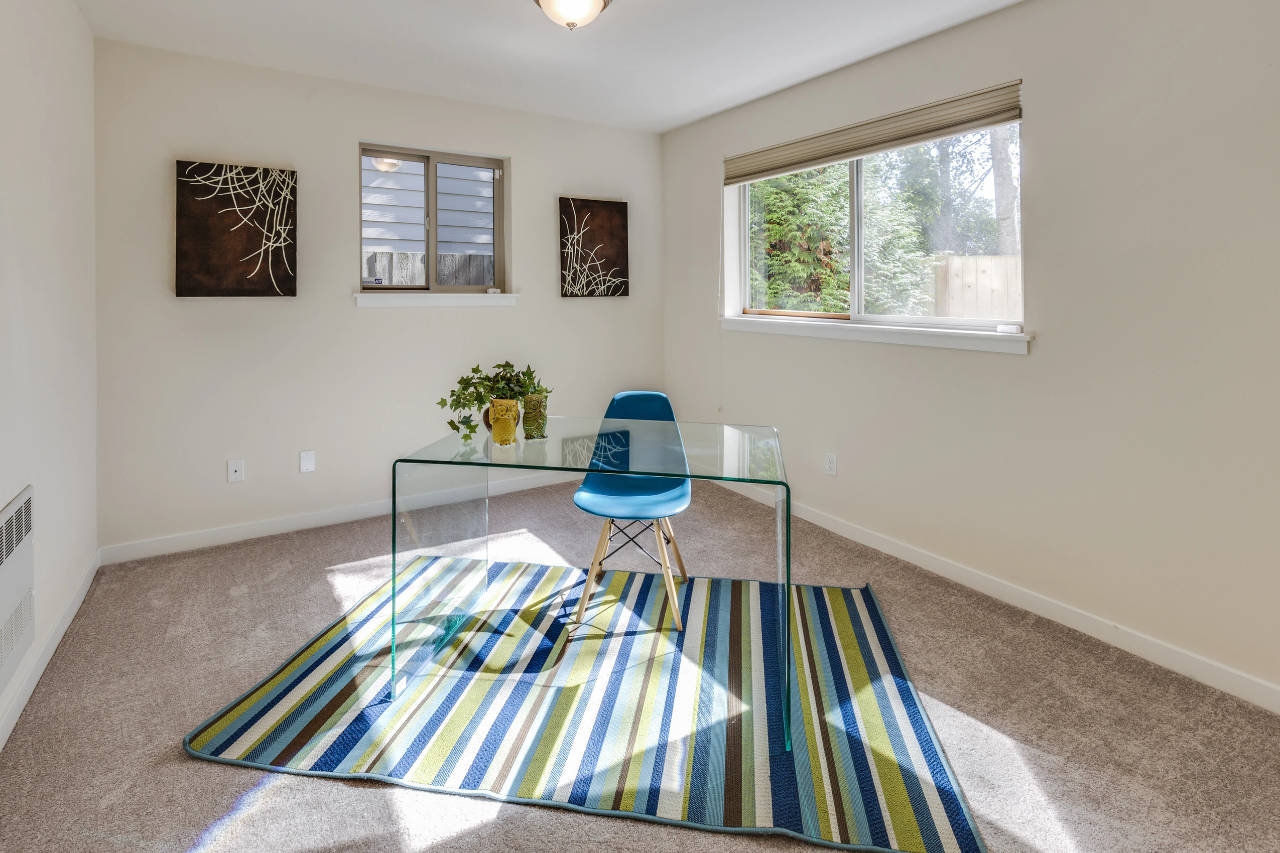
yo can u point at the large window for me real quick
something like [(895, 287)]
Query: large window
[(430, 221), (910, 220), (931, 230)]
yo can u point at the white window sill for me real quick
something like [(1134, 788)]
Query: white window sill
[(845, 330), (423, 299)]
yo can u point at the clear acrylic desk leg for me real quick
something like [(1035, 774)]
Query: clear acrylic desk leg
[(437, 510), (782, 512)]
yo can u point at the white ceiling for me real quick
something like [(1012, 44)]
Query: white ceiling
[(649, 64)]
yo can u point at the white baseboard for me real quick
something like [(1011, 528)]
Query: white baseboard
[(1213, 673), (28, 675), (286, 524)]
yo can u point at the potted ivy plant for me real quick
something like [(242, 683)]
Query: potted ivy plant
[(469, 395), (497, 396), (534, 395)]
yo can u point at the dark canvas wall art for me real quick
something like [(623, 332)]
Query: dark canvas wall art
[(593, 248), (236, 230)]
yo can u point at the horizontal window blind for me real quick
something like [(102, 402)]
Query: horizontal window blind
[(995, 105)]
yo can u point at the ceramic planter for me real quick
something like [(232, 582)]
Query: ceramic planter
[(504, 415), (535, 416)]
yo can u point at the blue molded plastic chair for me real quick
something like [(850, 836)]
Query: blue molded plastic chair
[(636, 498)]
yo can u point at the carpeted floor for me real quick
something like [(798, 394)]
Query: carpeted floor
[(1061, 743)]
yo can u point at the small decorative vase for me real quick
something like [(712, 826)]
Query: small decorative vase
[(535, 416), (504, 415)]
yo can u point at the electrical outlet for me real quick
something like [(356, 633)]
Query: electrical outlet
[(829, 465), (306, 461), (235, 470)]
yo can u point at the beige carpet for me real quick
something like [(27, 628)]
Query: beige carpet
[(1061, 743)]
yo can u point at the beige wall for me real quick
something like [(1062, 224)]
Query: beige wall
[(185, 384), (1128, 465), (47, 376)]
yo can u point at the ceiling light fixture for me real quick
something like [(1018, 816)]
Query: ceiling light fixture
[(384, 164), (572, 14)]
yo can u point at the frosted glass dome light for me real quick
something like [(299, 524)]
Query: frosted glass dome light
[(572, 14)]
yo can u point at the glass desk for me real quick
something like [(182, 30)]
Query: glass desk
[(440, 496)]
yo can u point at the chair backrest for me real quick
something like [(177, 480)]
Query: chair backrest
[(641, 406), (658, 449)]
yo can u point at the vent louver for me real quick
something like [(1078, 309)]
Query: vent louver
[(16, 528), (17, 579)]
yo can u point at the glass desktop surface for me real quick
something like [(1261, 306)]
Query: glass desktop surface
[(743, 454), (440, 497)]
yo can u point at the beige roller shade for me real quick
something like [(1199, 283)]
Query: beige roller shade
[(995, 105)]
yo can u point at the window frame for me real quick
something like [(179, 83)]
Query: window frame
[(429, 159), (857, 315)]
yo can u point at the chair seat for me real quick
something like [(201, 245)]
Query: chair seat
[(632, 496)]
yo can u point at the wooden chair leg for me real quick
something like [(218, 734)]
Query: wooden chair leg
[(667, 576), (666, 523), (594, 570), (604, 549)]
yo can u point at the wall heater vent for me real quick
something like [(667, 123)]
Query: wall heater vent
[(17, 578)]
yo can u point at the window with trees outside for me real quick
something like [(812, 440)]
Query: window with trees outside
[(910, 220), (430, 221), (931, 230)]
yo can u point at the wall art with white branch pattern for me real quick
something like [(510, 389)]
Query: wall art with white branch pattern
[(236, 230), (593, 248)]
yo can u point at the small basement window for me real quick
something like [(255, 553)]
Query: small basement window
[(431, 221)]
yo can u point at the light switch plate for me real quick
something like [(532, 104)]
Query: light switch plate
[(306, 461)]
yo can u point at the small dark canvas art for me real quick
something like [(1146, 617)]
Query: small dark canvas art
[(236, 230), (593, 248)]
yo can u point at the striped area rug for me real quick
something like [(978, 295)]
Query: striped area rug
[(620, 716)]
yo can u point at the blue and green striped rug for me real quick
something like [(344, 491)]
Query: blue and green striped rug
[(621, 716)]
